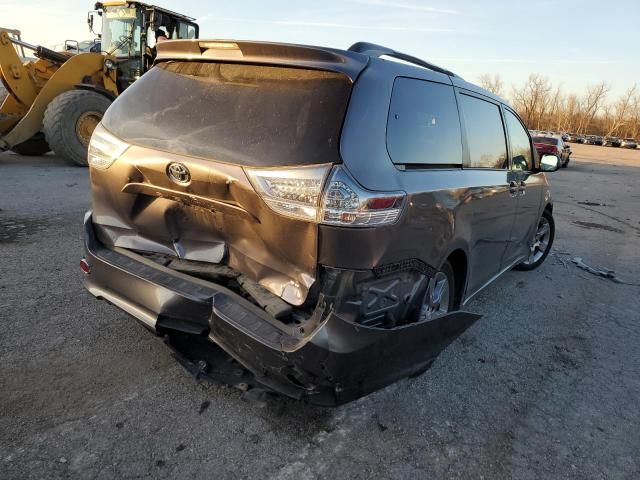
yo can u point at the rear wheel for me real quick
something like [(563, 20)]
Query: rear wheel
[(542, 242), (70, 120), (439, 298), (36, 145)]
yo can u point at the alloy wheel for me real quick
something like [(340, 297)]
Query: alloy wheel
[(437, 298), (540, 241)]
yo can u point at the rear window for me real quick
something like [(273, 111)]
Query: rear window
[(547, 140), (235, 113), (423, 127)]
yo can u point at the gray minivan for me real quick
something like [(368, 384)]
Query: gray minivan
[(318, 216)]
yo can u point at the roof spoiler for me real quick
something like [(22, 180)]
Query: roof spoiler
[(374, 50), (264, 53)]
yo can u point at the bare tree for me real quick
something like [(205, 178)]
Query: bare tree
[(532, 98), (570, 113), (621, 111), (556, 119), (493, 83), (592, 103), (632, 129)]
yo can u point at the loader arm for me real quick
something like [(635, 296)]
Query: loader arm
[(76, 70), (14, 74)]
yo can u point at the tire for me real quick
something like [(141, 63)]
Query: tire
[(36, 145), (428, 310), (70, 119), (447, 269), (529, 265)]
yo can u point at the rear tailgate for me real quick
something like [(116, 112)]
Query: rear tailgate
[(193, 127)]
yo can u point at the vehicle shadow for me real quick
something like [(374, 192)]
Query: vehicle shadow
[(48, 160)]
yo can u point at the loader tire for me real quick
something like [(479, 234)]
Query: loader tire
[(36, 145), (69, 121)]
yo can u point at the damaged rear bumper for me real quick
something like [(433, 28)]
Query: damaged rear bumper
[(335, 362)]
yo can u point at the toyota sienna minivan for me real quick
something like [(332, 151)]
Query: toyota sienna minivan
[(322, 216)]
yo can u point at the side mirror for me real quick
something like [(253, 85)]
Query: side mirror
[(549, 163), (90, 20), (71, 46)]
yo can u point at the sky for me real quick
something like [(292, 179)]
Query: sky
[(575, 43)]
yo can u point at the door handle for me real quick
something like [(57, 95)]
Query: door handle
[(513, 189), (523, 188)]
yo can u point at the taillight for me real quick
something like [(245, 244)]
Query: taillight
[(298, 192), (294, 192), (104, 148), (346, 203)]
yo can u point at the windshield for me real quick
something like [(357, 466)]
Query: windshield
[(547, 140), (121, 31)]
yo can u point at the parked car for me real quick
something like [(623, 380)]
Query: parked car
[(594, 140), (580, 139), (553, 146), (628, 143), (321, 215)]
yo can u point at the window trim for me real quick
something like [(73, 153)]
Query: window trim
[(423, 166), (534, 155), (466, 156)]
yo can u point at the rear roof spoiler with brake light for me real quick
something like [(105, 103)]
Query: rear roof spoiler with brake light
[(265, 53)]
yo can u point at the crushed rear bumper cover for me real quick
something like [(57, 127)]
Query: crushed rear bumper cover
[(337, 362)]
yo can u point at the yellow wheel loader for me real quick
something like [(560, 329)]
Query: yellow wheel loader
[(55, 101)]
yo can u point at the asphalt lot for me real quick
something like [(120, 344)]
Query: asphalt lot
[(545, 385)]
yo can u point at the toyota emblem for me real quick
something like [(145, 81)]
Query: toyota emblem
[(179, 173)]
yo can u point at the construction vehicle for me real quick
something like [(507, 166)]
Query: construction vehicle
[(55, 101)]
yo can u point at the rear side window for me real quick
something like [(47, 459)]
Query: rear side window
[(485, 133), (521, 155), (235, 113), (423, 127), (546, 140)]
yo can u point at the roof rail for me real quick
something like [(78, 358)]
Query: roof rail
[(372, 49)]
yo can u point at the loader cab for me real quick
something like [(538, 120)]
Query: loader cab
[(128, 34)]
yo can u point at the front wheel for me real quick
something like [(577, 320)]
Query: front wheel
[(542, 242), (70, 120)]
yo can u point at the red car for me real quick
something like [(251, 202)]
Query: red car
[(554, 146)]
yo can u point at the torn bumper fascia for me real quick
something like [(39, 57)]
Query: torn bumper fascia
[(334, 362)]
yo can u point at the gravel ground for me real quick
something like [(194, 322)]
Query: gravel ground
[(545, 385)]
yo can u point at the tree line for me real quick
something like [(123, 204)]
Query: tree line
[(544, 106)]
